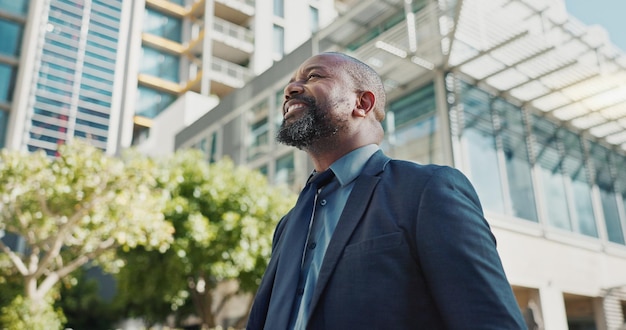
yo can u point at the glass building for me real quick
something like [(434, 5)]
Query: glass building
[(104, 70), (527, 101), (68, 84)]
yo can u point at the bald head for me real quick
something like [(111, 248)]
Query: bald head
[(365, 79)]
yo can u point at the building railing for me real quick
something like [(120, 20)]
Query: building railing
[(239, 74), (232, 30)]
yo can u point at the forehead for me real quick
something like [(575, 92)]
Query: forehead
[(327, 62)]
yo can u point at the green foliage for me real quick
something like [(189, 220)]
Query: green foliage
[(224, 217), (24, 313), (78, 207), (82, 304)]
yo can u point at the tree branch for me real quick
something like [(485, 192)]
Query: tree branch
[(15, 259)]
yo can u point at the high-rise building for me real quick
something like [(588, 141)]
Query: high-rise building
[(69, 82), (104, 69), (525, 100), (12, 24)]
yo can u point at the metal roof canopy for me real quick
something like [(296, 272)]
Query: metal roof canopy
[(529, 51)]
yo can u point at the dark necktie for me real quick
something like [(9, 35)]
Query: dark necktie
[(290, 258)]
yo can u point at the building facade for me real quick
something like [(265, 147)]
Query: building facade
[(104, 70), (528, 102)]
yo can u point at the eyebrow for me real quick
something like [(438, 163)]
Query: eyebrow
[(309, 69)]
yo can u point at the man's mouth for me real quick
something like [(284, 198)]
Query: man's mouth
[(290, 108)]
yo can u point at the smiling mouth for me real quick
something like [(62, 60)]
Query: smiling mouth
[(293, 107)]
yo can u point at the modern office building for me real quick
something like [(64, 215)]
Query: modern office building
[(524, 99), (104, 69)]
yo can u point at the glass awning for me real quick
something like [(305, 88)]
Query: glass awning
[(528, 51)]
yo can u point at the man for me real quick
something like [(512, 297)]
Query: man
[(390, 244)]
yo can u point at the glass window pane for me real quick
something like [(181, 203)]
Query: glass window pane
[(521, 190), (159, 64), (604, 180), (574, 167), (159, 24), (11, 36), (7, 82), (315, 19), (258, 143), (550, 173), (480, 145), (150, 103), (4, 121), (285, 170), (279, 8), (17, 7), (279, 41)]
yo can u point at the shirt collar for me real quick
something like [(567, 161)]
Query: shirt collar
[(348, 167)]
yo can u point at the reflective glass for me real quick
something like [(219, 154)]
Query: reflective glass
[(150, 103), (17, 7), (11, 36), (574, 167), (550, 173), (285, 170), (159, 64), (4, 121), (315, 19), (605, 182), (7, 82), (279, 8), (161, 25), (479, 137), (518, 169), (412, 127), (279, 41), (258, 143)]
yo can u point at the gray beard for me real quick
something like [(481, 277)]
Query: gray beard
[(311, 127)]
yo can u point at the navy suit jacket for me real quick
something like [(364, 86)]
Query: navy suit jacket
[(412, 250)]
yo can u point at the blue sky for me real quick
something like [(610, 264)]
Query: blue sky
[(611, 14)]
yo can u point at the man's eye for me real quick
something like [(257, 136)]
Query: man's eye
[(313, 75)]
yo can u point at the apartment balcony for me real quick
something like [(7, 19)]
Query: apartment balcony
[(232, 41), (236, 11), (229, 41), (225, 77)]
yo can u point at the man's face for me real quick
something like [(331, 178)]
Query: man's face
[(318, 102)]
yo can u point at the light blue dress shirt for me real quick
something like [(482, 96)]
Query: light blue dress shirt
[(330, 202)]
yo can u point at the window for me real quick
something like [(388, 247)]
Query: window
[(11, 36), (480, 140), (412, 126), (279, 97), (150, 103), (258, 143), (551, 173), (314, 19), (17, 7), (605, 181), (7, 82), (517, 162), (4, 122), (279, 8), (159, 64), (583, 220), (279, 41), (161, 25), (285, 170)]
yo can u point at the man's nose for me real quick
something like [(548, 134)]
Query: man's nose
[(293, 88)]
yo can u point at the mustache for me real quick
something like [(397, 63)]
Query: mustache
[(308, 100)]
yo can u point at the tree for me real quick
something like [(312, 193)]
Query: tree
[(224, 217), (74, 208)]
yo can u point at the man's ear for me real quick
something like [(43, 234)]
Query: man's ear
[(365, 103)]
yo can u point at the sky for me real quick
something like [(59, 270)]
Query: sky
[(611, 14)]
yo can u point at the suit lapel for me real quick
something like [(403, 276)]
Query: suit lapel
[(353, 212)]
